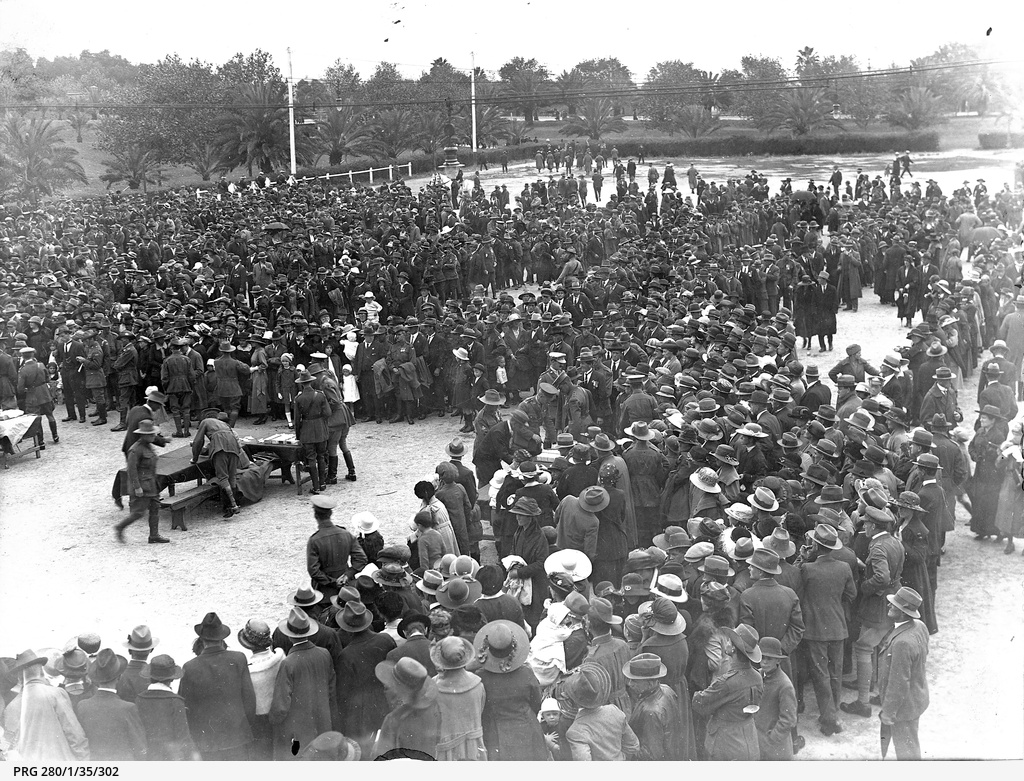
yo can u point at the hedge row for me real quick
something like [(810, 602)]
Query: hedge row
[(723, 146), (999, 140)]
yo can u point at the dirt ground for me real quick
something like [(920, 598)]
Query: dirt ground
[(62, 571)]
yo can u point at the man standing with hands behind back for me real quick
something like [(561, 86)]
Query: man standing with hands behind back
[(902, 678)]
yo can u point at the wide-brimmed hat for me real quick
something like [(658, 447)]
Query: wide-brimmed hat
[(570, 562), (24, 660), (674, 537), (153, 394), (526, 505), (766, 560), (741, 513), (594, 498), (298, 624), (456, 448), (345, 594), (492, 398), (430, 582), (365, 522), (408, 677), (303, 377), (452, 653), (640, 430), (589, 687), (602, 610), (780, 542), (74, 661), (141, 639), (744, 638), (412, 618), (664, 616), (716, 565), (106, 667), (726, 454), (160, 668), (147, 427), (603, 443), (501, 646), (392, 574), (910, 500), (671, 587), (255, 635), (211, 628), (907, 600), (826, 537), (459, 591), (752, 430), (763, 499), (354, 617), (992, 411), (706, 480), (744, 549), (305, 596), (645, 667)]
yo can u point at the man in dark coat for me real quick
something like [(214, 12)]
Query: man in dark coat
[(902, 674), (304, 703), (414, 628), (881, 578), (361, 699), (111, 725), (824, 301), (827, 591), (333, 554), (230, 374), (163, 713), (496, 447), (219, 695), (816, 393)]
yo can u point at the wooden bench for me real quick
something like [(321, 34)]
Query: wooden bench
[(181, 502)]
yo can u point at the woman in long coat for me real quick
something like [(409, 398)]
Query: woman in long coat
[(802, 310), (849, 269), (907, 290), (707, 642), (665, 639), (513, 698), (530, 544), (1010, 518), (914, 535), (425, 493), (259, 391), (462, 697), (988, 475)]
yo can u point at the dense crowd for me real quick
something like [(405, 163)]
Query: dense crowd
[(690, 525)]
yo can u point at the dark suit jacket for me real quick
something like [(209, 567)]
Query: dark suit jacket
[(417, 647), (815, 396), (774, 611), (827, 586), (221, 702), (113, 728), (496, 445), (163, 715), (135, 416)]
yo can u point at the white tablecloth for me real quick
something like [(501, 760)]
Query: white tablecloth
[(15, 428)]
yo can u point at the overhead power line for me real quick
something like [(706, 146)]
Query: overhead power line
[(546, 92)]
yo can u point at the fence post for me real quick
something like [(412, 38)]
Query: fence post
[(371, 174), (350, 176), (410, 170), (391, 172)]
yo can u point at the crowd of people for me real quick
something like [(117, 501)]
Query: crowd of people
[(690, 526)]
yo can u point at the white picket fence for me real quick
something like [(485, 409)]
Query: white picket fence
[(391, 169)]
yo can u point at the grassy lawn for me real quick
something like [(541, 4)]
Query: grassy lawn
[(956, 133)]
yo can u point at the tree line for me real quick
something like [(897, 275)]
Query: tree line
[(233, 116)]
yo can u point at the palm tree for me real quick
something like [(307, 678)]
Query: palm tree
[(255, 133), (206, 160), (597, 119), (914, 109), (526, 87), (135, 165), (341, 134), (710, 93), (36, 159), (79, 121), (515, 131), (803, 110), (393, 132), (693, 121), (569, 85), (431, 132)]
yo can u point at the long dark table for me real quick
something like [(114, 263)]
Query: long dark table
[(286, 454), (172, 466)]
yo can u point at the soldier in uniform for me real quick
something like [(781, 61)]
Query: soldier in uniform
[(230, 374), (142, 489), (96, 376), (33, 384), (224, 452), (333, 554), (127, 367), (338, 425), (311, 415), (178, 377)]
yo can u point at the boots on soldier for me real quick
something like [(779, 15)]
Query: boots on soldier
[(351, 476), (178, 433), (332, 470)]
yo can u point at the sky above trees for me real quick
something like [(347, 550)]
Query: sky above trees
[(714, 36)]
